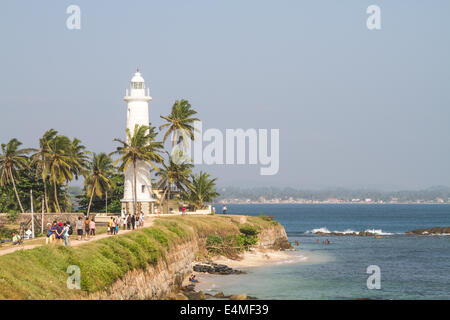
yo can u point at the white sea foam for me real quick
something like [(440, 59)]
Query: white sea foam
[(348, 231), (379, 232)]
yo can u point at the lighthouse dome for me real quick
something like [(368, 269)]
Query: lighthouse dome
[(137, 77)]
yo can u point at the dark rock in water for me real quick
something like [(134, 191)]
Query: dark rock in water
[(282, 244), (190, 287), (239, 297), (430, 231), (194, 295), (214, 268), (181, 296)]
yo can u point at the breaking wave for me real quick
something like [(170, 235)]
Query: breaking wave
[(348, 231)]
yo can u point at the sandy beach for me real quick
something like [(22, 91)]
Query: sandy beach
[(260, 257), (256, 258)]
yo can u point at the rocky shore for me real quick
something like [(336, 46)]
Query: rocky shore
[(430, 231), (214, 268), (189, 293)]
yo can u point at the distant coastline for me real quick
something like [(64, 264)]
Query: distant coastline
[(273, 195), (227, 202)]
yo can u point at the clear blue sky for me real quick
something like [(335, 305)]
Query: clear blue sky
[(354, 107)]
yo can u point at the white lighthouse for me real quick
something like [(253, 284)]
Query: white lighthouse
[(137, 98)]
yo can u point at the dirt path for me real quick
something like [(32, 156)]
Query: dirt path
[(73, 241)]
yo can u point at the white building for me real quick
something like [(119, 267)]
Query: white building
[(137, 98)]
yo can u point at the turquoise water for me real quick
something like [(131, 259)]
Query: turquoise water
[(412, 267)]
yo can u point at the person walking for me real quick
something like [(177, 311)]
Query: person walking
[(92, 227), (67, 233), (86, 229), (110, 231), (79, 226), (124, 222), (142, 220), (224, 210), (48, 239), (113, 226), (129, 222), (53, 230), (133, 221), (60, 233)]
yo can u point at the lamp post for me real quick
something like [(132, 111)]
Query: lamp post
[(32, 213), (42, 217)]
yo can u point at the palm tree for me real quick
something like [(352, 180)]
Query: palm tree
[(174, 174), (40, 159), (203, 190), (179, 123), (79, 157), (139, 146), (12, 159), (97, 180), (60, 164)]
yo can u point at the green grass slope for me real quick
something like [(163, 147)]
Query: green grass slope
[(40, 273)]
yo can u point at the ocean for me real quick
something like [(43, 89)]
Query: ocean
[(411, 267)]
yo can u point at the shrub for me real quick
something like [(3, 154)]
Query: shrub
[(214, 243), (268, 219), (214, 240), (6, 233), (249, 230)]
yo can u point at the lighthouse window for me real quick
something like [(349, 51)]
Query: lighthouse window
[(143, 188), (137, 85)]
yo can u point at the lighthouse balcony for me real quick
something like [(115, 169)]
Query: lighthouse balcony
[(137, 94)]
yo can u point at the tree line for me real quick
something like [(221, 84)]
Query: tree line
[(59, 160), (269, 193)]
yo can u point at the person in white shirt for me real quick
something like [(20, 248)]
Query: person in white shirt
[(142, 219)]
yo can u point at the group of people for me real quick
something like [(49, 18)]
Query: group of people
[(127, 221), (57, 232), (224, 210), (88, 225)]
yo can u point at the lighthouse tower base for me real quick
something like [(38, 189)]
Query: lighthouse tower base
[(144, 207)]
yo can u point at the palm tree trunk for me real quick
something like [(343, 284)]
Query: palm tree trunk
[(168, 199), (56, 197), (90, 201), (15, 190), (173, 139), (135, 186), (44, 180), (162, 202)]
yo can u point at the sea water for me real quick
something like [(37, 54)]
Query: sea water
[(411, 267)]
